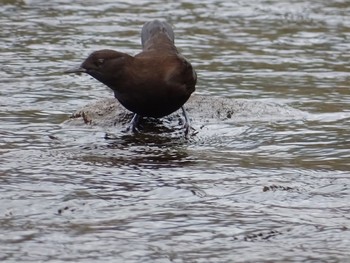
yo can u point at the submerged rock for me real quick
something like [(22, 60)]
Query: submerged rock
[(203, 110)]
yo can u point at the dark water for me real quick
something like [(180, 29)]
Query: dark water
[(263, 186)]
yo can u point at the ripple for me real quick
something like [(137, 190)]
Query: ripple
[(266, 182)]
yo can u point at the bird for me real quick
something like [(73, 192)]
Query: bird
[(154, 83)]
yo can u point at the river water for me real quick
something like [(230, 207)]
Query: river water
[(264, 186)]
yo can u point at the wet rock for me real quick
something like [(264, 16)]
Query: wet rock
[(275, 188), (203, 110)]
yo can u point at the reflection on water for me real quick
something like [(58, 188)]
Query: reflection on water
[(261, 186)]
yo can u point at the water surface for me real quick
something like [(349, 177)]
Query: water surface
[(262, 186)]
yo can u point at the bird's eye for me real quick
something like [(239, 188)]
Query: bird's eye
[(99, 62)]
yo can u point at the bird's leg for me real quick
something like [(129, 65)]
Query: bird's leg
[(134, 123), (186, 125)]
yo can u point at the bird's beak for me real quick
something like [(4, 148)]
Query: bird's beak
[(77, 70)]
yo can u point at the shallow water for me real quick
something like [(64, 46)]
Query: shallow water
[(262, 186)]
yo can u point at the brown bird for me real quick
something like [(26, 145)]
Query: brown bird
[(154, 83)]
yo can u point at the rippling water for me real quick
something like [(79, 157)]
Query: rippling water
[(266, 187)]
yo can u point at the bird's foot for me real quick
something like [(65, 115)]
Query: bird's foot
[(187, 130), (133, 124), (187, 126), (132, 128)]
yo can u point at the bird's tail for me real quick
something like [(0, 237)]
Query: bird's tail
[(154, 27)]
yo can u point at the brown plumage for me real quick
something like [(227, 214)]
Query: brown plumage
[(153, 83)]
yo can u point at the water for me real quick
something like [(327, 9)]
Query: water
[(262, 186)]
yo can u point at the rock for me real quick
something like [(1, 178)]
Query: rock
[(111, 115)]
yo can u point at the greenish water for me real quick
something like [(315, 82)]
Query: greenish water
[(263, 186)]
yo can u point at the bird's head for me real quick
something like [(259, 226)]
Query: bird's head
[(104, 65)]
